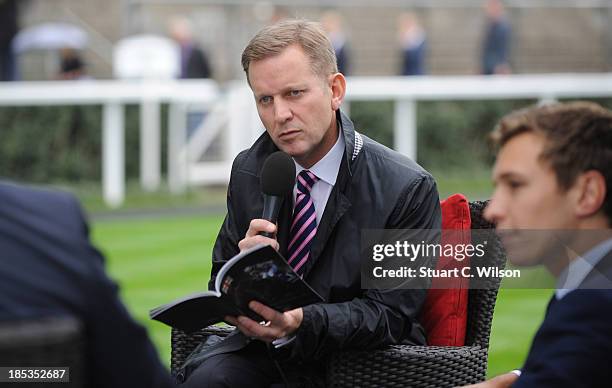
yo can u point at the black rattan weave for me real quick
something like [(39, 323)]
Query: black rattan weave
[(403, 366)]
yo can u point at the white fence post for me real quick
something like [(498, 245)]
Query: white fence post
[(405, 128), (150, 144), (113, 154), (244, 124), (177, 152)]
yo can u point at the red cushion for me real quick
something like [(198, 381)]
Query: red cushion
[(444, 313)]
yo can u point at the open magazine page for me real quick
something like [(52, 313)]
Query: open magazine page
[(230, 263), (262, 274), (259, 274)]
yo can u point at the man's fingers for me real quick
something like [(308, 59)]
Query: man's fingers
[(274, 328), (256, 330), (253, 236), (258, 225), (502, 381), (250, 242), (267, 313), (244, 329), (231, 320)]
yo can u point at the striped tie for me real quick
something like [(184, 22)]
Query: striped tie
[(304, 226)]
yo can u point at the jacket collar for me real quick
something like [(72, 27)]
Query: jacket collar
[(353, 141)]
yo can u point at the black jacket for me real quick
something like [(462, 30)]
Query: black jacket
[(376, 188), (48, 267)]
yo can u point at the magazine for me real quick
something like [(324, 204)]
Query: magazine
[(259, 273)]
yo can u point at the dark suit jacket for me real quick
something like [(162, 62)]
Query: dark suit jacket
[(48, 267), (573, 346), (376, 188), (196, 64), (413, 60), (496, 47), (343, 59)]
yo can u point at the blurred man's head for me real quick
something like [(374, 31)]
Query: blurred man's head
[(181, 30), (494, 9), (291, 68), (331, 21), (553, 169)]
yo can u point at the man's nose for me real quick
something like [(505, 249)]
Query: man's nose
[(494, 211), (282, 111)]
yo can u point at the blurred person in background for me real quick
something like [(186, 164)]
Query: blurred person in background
[(8, 30), (50, 268), (279, 14), (553, 188), (194, 64), (72, 66), (194, 61), (413, 42), (496, 43), (333, 26)]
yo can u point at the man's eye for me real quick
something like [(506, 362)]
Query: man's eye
[(514, 184), (296, 93), (265, 99)]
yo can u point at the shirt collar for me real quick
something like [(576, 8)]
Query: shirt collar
[(579, 268), (328, 167)]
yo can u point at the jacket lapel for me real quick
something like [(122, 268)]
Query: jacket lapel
[(329, 220)]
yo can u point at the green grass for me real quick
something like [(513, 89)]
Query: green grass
[(158, 260), (474, 183), (90, 195), (518, 314)]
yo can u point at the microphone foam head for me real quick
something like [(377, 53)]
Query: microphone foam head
[(278, 174)]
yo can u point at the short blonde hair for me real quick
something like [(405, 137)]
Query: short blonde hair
[(310, 36)]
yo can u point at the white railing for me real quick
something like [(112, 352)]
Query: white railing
[(113, 96), (239, 121), (406, 91)]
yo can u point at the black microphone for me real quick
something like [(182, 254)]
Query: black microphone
[(277, 180)]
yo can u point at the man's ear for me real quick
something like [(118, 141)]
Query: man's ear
[(591, 186), (337, 82)]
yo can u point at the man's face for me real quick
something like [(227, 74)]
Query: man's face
[(528, 197), (294, 105)]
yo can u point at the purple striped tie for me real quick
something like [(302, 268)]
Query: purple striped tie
[(304, 225)]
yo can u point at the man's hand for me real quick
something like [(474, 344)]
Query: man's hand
[(278, 325), (501, 381), (253, 237)]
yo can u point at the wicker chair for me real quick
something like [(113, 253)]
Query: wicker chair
[(44, 342), (402, 366)]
